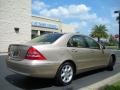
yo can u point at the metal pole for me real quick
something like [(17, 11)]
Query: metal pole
[(119, 28)]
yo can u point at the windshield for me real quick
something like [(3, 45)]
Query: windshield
[(46, 38)]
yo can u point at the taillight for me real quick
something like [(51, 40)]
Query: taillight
[(34, 54)]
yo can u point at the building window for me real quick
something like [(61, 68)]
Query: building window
[(34, 34), (44, 32), (16, 29)]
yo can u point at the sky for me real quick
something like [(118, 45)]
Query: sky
[(83, 14)]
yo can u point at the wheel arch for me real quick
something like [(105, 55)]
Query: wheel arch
[(70, 61), (73, 63), (57, 79), (114, 57)]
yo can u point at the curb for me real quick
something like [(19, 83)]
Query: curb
[(102, 83), (3, 53)]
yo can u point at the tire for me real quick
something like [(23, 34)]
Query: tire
[(110, 67), (65, 74)]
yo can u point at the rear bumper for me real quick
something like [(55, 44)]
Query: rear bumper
[(34, 68)]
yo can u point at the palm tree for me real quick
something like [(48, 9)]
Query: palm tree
[(99, 31)]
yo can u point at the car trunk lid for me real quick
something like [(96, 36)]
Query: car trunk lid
[(18, 51)]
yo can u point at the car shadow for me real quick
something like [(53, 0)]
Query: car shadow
[(87, 73), (29, 83)]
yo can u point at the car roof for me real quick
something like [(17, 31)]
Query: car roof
[(72, 34)]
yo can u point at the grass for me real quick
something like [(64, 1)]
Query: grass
[(111, 87), (115, 86), (117, 83)]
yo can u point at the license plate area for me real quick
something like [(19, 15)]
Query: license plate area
[(17, 51), (14, 51)]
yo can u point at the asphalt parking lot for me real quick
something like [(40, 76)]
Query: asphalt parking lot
[(12, 81)]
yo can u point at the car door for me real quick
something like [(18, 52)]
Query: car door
[(98, 56), (80, 52)]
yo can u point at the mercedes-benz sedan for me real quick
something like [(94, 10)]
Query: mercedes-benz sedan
[(59, 56)]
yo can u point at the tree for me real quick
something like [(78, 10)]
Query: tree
[(99, 31), (112, 41)]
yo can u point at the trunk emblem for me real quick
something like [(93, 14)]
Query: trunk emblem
[(16, 53)]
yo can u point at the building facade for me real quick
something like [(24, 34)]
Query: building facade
[(17, 25), (67, 28), (15, 22), (42, 25)]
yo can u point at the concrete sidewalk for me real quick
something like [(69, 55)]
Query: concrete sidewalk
[(98, 85)]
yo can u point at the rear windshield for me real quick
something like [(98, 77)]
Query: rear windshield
[(46, 38)]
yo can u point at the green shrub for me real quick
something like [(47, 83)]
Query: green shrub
[(111, 87)]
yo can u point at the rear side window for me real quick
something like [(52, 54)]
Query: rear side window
[(92, 43), (77, 41), (46, 38)]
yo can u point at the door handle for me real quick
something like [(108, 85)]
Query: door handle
[(74, 50), (92, 51)]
